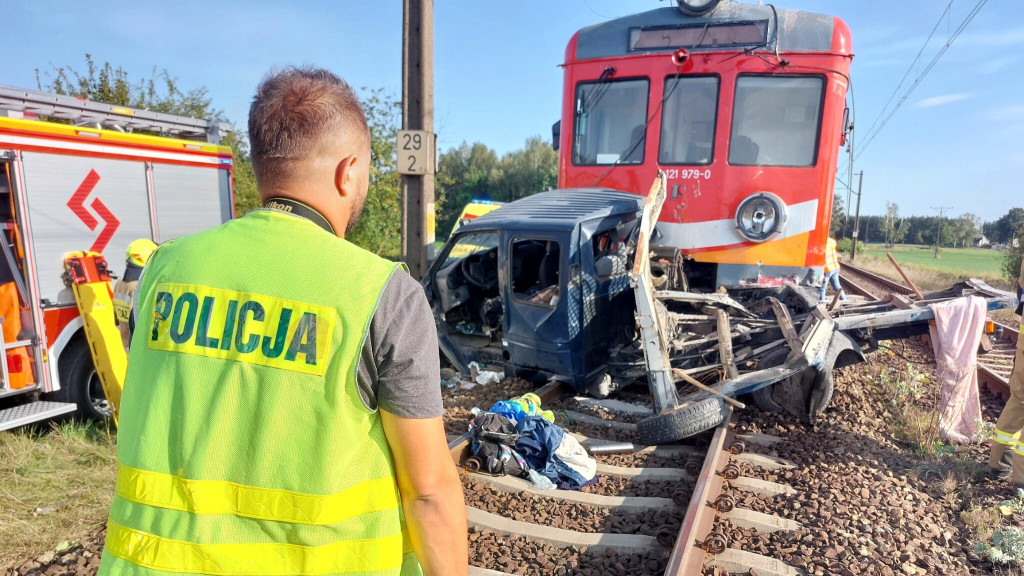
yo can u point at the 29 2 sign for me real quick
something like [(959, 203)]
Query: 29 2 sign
[(415, 152)]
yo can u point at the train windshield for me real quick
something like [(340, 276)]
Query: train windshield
[(610, 120), (776, 120), (688, 122)]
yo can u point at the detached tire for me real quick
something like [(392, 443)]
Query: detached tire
[(80, 384), (683, 422)]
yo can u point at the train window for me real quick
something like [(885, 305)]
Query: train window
[(611, 118), (688, 122), (776, 120)]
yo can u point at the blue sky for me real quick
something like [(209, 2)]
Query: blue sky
[(956, 141)]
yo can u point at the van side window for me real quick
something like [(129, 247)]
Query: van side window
[(536, 269)]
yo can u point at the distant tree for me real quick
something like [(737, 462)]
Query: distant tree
[(380, 228), (835, 229), (474, 172), (1009, 226), (160, 92), (1012, 259), (963, 230), (893, 228)]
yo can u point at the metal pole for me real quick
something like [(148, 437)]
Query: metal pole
[(418, 114), (856, 222), (938, 226)]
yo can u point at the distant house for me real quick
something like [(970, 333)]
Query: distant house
[(980, 241)]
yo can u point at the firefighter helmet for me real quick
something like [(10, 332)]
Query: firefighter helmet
[(140, 251)]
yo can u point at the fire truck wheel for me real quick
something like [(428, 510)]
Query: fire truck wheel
[(685, 421), (79, 383)]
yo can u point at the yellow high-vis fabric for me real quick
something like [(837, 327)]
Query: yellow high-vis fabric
[(166, 555), (831, 256), (1006, 438), (244, 448), (219, 497)]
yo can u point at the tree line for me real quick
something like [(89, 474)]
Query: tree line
[(959, 231)]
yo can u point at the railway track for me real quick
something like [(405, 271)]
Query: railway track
[(865, 280), (994, 366), (651, 513)]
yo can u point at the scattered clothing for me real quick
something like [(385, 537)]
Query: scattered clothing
[(955, 338), (539, 443), (575, 456), (541, 482)]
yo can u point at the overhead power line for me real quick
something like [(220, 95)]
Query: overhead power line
[(920, 76)]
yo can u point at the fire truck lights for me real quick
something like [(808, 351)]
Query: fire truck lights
[(761, 216)]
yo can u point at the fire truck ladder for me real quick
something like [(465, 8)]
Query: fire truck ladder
[(87, 274), (18, 102)]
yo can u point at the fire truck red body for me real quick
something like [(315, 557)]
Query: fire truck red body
[(742, 107), (68, 188)]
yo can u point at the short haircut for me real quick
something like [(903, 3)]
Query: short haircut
[(294, 113)]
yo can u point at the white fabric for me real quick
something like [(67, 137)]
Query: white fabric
[(573, 455), (955, 338)]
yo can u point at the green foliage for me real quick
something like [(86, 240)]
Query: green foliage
[(845, 246), (470, 172), (379, 228), (835, 228), (902, 386), (160, 93), (1008, 227), (1007, 547), (1012, 259)]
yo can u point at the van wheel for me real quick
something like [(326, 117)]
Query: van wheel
[(80, 383), (682, 422)]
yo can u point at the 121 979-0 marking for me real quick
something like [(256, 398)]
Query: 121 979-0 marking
[(687, 173)]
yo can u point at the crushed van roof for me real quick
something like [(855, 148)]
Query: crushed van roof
[(556, 208)]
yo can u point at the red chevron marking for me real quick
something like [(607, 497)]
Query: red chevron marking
[(77, 200), (110, 227)]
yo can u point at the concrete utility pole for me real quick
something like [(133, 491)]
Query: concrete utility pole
[(856, 222), (938, 226), (418, 114)]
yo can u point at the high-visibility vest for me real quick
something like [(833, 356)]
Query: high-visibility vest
[(831, 258), (243, 445)]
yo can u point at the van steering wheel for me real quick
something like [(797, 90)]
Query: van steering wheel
[(481, 270)]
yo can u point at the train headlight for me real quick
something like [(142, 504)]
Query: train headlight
[(697, 7), (761, 216)]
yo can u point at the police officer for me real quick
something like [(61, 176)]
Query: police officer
[(1007, 438), (124, 289), (281, 413)]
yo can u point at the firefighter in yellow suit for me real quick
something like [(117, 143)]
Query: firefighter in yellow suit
[(139, 252), (1007, 437)]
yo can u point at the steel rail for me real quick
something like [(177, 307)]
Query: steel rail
[(688, 554), (877, 278)]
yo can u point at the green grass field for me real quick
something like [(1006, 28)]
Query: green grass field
[(959, 261)]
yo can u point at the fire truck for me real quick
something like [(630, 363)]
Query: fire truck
[(93, 183)]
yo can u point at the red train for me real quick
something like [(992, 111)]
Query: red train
[(744, 108)]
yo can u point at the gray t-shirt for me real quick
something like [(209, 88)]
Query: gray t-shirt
[(399, 367)]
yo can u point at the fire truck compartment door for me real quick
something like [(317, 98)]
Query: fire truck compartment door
[(190, 199), (82, 203)]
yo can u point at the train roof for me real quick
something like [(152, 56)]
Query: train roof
[(787, 30), (559, 209)]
